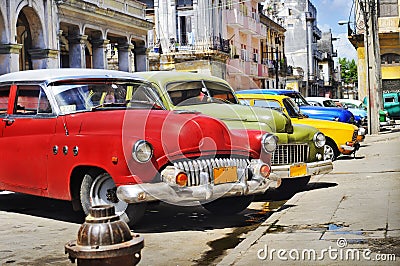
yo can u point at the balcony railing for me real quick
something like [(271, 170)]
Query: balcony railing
[(216, 43), (234, 18), (318, 55), (317, 32)]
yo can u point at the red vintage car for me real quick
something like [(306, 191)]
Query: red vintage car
[(71, 134)]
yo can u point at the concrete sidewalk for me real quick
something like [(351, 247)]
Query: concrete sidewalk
[(350, 216)]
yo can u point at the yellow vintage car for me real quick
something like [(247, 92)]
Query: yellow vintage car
[(341, 138)]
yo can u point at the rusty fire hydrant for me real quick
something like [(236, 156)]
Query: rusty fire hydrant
[(104, 239)]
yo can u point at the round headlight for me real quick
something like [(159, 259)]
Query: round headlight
[(361, 131), (269, 142), (319, 140), (142, 151)]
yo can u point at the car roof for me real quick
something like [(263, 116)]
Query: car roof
[(267, 91), (170, 76), (51, 75), (259, 96)]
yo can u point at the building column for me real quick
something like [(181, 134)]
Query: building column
[(99, 47), (77, 51), (140, 58), (44, 58), (125, 57), (9, 58)]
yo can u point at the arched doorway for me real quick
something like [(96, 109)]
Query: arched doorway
[(30, 35)]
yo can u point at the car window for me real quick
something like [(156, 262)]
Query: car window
[(4, 95), (199, 92), (329, 103), (389, 100), (298, 99), (268, 104), (244, 102), (291, 107), (31, 100), (73, 98)]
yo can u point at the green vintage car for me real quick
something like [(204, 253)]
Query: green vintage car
[(299, 154), (391, 104)]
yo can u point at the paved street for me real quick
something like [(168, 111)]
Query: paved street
[(354, 209), (358, 203)]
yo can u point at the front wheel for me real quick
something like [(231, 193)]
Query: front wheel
[(228, 206), (99, 189), (331, 152)]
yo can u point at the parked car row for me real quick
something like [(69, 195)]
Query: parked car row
[(97, 137), (341, 138)]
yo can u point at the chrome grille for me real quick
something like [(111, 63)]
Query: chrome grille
[(355, 134), (289, 154), (194, 167)]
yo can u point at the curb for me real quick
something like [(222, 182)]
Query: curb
[(234, 255)]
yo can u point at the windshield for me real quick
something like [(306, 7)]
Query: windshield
[(199, 92), (87, 96), (291, 107), (268, 104), (298, 99), (329, 103)]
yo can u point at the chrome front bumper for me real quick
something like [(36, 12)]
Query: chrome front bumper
[(161, 191), (314, 168)]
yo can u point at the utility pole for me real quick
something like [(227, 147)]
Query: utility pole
[(277, 64), (372, 59)]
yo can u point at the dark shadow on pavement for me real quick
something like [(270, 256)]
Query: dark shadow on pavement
[(159, 217), (349, 157), (39, 207)]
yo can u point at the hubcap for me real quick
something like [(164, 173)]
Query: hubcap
[(329, 154), (103, 192)]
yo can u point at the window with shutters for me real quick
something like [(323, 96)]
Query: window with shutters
[(388, 8)]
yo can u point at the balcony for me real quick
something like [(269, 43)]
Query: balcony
[(317, 32), (234, 18), (262, 70), (318, 55), (235, 66), (261, 31), (249, 25), (253, 69)]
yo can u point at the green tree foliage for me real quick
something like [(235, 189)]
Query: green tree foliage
[(348, 71)]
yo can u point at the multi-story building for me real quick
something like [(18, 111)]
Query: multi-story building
[(88, 33), (301, 36), (387, 30), (188, 35), (228, 39), (326, 67)]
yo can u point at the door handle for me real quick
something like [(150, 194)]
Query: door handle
[(8, 121)]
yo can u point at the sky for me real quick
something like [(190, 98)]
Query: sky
[(329, 12)]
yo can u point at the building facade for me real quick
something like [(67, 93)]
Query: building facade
[(326, 67), (230, 39), (188, 35), (301, 37), (38, 34), (388, 48)]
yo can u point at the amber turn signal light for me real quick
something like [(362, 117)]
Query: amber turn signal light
[(265, 170), (181, 179)]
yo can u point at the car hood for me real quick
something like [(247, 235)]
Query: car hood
[(324, 124), (238, 116), (326, 113), (174, 135)]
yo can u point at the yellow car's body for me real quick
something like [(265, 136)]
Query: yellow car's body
[(342, 138)]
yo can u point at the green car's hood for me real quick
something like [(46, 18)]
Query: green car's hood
[(244, 117)]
